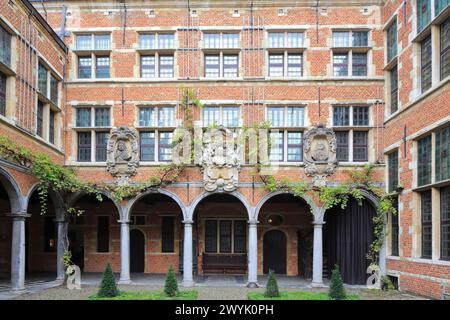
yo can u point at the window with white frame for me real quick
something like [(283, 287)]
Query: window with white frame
[(156, 132), (285, 54), (227, 116), (157, 55), (391, 43), (92, 125), (93, 55), (48, 84), (221, 65), (5, 47), (350, 51), (220, 40), (287, 137), (351, 126), (286, 39)]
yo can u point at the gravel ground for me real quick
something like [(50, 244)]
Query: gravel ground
[(204, 293)]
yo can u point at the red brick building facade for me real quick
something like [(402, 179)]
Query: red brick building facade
[(293, 64)]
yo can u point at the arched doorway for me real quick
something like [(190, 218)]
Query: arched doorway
[(137, 251), (274, 252), (348, 236), (5, 234)]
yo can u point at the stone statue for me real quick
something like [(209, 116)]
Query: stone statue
[(74, 278), (122, 152)]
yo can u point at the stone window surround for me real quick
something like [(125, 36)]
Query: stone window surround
[(92, 128), (221, 54), (350, 129), (220, 107), (203, 233)]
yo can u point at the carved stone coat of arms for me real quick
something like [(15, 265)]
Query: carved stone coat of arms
[(220, 160), (320, 153), (122, 157)]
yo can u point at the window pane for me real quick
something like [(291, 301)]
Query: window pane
[(84, 146), (230, 40), (443, 154), (102, 42), (167, 234), (84, 67), (212, 66), (340, 64), (101, 142), (341, 39), (393, 171), (211, 40), (295, 39), (342, 146), (5, 47), (294, 65), (83, 117), (423, 14), (53, 89), (40, 119), (148, 67), (424, 161), (147, 117), (165, 148), (230, 116), (239, 236), (276, 39), (360, 116), (440, 5), (230, 66), (394, 231), (276, 146), (426, 224), (42, 79), (166, 41), (275, 115), (101, 117), (341, 116), (147, 41), (445, 223), (392, 41), (211, 116), (360, 38), (147, 146), (51, 127), (394, 89), (360, 141), (211, 236), (166, 117), (2, 94), (102, 234), (445, 49), (425, 69), (276, 65), (225, 236), (359, 64), (295, 116), (102, 68), (295, 146), (165, 66), (84, 42)]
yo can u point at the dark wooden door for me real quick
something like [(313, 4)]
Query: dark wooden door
[(137, 251), (274, 252)]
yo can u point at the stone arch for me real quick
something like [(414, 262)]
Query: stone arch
[(204, 195), (270, 195), (75, 197), (56, 198), (16, 200), (167, 193)]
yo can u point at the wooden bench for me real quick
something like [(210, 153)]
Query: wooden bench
[(235, 263)]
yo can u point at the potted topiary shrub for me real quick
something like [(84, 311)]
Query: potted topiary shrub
[(337, 291)]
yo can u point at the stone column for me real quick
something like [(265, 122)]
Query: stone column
[(18, 251), (62, 244), (124, 252), (252, 254), (188, 280), (317, 280)]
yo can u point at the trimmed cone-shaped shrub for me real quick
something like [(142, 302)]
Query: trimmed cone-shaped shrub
[(171, 285), (337, 291), (108, 286), (272, 286)]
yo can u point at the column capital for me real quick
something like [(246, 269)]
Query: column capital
[(253, 222), (124, 221), (188, 221), (22, 215), (318, 224), (61, 221)]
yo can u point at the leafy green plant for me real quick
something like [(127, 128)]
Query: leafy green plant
[(386, 283), (337, 291), (67, 259), (171, 285), (272, 286), (108, 286)]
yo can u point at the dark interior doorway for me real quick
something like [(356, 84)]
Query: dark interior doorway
[(76, 246), (137, 251), (348, 235), (274, 252)]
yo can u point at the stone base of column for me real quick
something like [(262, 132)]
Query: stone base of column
[(318, 285), (252, 285), (124, 281), (20, 290), (188, 284)]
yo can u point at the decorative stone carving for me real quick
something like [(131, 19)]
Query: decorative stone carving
[(220, 160), (74, 277), (122, 153), (319, 153)]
